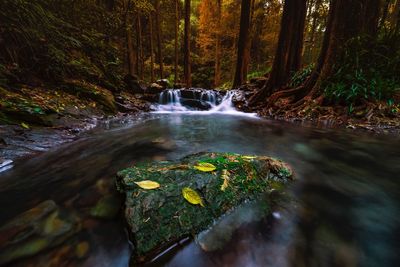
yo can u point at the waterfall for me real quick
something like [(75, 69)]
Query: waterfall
[(170, 96), (170, 100), (188, 101), (209, 96)]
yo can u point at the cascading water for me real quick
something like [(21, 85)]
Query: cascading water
[(210, 97), (172, 101)]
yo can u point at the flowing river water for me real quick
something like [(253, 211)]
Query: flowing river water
[(346, 197)]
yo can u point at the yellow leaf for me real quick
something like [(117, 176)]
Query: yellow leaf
[(147, 184), (205, 167), (249, 157), (192, 196), (225, 176), (26, 126)]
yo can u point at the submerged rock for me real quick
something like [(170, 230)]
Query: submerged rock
[(161, 216), (42, 227)]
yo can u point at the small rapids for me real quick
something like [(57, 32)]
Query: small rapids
[(170, 101)]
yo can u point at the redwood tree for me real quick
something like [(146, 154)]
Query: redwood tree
[(159, 39), (186, 47), (287, 58), (241, 68), (346, 20), (217, 71), (131, 56), (176, 29)]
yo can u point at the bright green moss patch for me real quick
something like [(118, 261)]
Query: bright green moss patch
[(163, 215)]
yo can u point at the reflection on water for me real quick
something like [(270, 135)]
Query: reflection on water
[(345, 210)]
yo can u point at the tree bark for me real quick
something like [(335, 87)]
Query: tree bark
[(129, 40), (239, 79), (159, 39), (249, 40), (151, 48), (290, 45), (346, 20), (139, 47), (176, 41), (217, 71), (372, 13), (186, 47)]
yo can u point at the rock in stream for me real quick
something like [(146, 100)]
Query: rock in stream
[(162, 216)]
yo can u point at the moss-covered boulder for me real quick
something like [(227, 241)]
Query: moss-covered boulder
[(157, 217)]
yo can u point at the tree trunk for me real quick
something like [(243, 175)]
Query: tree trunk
[(159, 39), (385, 11), (186, 47), (290, 45), (242, 43), (129, 40), (176, 41), (346, 20), (372, 13), (139, 47), (247, 56), (217, 71), (151, 48)]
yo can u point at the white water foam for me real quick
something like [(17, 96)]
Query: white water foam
[(173, 104)]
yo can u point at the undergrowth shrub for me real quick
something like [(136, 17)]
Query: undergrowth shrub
[(301, 76)]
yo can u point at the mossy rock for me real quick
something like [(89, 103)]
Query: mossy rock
[(161, 216), (92, 91)]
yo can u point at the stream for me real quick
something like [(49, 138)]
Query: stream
[(346, 196)]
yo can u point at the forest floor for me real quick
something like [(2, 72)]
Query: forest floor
[(371, 116), (33, 120)]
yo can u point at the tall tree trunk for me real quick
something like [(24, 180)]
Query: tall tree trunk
[(217, 71), (139, 47), (290, 45), (176, 41), (242, 42), (372, 13), (151, 48), (346, 20), (159, 39), (129, 40), (186, 47), (249, 40)]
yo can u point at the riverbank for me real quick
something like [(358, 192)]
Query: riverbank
[(35, 119), (375, 116)]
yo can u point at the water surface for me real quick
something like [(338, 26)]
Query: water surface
[(346, 209)]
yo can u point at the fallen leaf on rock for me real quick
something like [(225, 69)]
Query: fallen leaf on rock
[(225, 176), (205, 167), (24, 125), (192, 196), (147, 184), (248, 157)]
